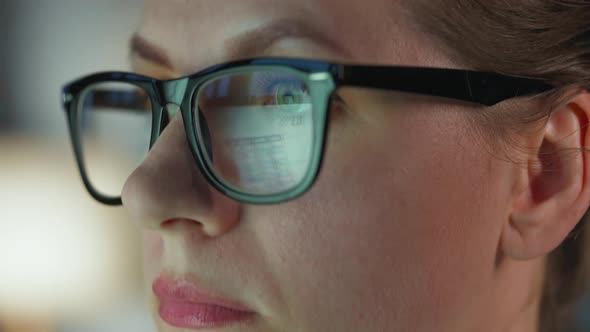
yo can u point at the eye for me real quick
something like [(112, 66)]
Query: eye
[(291, 94), (286, 91)]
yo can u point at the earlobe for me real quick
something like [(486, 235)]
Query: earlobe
[(556, 189)]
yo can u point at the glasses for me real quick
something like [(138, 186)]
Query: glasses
[(256, 128)]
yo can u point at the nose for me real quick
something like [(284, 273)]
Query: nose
[(169, 185)]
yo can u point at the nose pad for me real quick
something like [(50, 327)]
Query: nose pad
[(170, 110), (222, 162), (216, 143), (169, 185), (206, 135), (164, 122)]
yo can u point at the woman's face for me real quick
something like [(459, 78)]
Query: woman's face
[(399, 233)]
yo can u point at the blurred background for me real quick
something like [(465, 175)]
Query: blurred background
[(67, 263)]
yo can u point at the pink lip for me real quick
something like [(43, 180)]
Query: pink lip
[(183, 304)]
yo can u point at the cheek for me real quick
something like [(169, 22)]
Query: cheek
[(394, 224)]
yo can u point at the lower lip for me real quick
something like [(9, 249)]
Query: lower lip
[(184, 314)]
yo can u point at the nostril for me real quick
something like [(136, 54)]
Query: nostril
[(178, 221), (168, 223), (184, 225)]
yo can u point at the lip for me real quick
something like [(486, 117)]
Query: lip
[(184, 304)]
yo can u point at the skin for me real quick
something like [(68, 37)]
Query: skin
[(414, 223)]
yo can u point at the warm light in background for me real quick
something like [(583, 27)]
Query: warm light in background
[(67, 263), (61, 254)]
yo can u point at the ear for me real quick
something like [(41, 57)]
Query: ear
[(554, 189)]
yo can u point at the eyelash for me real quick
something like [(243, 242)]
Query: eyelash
[(271, 83)]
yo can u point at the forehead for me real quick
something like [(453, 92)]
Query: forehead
[(197, 33)]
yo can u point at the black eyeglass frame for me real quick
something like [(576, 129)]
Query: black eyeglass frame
[(322, 77)]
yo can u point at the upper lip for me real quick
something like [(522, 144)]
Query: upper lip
[(183, 289)]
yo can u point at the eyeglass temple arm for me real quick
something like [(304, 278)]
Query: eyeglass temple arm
[(465, 85)]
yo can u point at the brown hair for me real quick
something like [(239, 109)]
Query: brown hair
[(544, 39)]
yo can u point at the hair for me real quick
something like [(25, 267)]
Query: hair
[(542, 39)]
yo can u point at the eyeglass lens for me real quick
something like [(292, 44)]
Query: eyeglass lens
[(256, 130), (114, 122)]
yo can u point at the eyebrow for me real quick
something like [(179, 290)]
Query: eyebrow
[(251, 43), (144, 49)]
